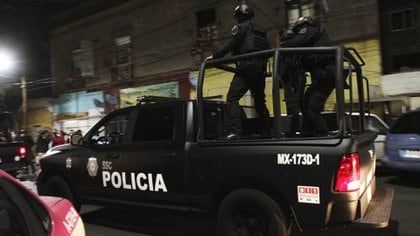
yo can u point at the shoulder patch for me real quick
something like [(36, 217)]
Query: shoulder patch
[(302, 31), (234, 31)]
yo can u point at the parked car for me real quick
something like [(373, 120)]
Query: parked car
[(22, 212), (373, 123), (402, 145)]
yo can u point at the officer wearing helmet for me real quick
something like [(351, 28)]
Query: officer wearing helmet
[(246, 36), (308, 32)]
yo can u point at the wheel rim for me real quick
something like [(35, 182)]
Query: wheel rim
[(250, 223)]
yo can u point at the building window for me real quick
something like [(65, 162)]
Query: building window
[(207, 34), (123, 69), (82, 59), (299, 8), (123, 55), (76, 62), (206, 18), (404, 19)]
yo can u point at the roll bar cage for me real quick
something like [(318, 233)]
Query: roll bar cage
[(342, 55)]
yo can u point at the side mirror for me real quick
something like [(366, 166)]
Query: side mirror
[(76, 139), (5, 222)]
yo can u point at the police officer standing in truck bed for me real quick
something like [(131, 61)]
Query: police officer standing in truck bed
[(246, 37), (308, 32), (293, 78)]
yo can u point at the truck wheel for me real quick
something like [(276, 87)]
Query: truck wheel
[(58, 187), (252, 213)]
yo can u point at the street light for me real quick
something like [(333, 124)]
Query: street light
[(7, 64)]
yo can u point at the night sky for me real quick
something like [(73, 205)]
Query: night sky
[(24, 28)]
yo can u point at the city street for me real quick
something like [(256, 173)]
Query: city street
[(271, 115), (107, 222)]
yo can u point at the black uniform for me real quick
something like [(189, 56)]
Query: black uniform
[(250, 74), (293, 77), (309, 33)]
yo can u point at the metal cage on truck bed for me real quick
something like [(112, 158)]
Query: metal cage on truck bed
[(347, 63)]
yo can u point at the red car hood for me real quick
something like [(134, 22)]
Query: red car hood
[(65, 219)]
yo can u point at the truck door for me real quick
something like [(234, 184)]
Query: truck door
[(98, 171), (154, 161)]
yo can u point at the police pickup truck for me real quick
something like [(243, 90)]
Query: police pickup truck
[(169, 153)]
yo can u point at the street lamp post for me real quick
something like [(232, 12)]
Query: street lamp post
[(24, 103)]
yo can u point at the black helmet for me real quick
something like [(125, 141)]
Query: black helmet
[(304, 20), (243, 12)]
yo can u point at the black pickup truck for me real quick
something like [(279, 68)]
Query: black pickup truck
[(14, 152), (168, 153)]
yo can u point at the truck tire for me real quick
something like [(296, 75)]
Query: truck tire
[(58, 187), (251, 212)]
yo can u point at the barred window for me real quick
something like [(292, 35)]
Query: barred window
[(299, 8), (404, 19), (123, 55)]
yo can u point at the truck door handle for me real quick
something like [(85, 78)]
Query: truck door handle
[(168, 155), (113, 155)]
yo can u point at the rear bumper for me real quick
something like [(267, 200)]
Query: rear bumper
[(378, 212)]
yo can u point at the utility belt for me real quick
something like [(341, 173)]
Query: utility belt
[(258, 63)]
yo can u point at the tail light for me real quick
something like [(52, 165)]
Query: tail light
[(22, 151), (348, 174)]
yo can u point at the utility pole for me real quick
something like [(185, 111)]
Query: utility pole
[(24, 103)]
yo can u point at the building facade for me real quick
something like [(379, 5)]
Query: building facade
[(400, 50), (400, 34), (103, 60)]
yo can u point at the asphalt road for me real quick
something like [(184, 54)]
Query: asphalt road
[(139, 222), (406, 206)]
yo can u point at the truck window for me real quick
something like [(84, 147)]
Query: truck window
[(154, 124), (373, 124), (112, 131)]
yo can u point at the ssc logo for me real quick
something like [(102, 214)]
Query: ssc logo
[(92, 166)]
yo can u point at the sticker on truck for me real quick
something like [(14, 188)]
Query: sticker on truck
[(303, 159), (308, 194)]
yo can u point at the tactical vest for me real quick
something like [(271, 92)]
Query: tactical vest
[(321, 38), (255, 39)]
